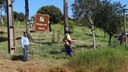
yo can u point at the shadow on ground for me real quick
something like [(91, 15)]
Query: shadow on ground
[(55, 52), (2, 39), (17, 58), (84, 46), (92, 35), (48, 43)]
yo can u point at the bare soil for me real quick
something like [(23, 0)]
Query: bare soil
[(32, 66)]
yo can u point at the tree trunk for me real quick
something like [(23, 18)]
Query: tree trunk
[(2, 21), (50, 29), (65, 15), (27, 18), (110, 37), (93, 32), (1, 18), (104, 35), (94, 39)]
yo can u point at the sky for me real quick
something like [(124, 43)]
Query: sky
[(34, 5)]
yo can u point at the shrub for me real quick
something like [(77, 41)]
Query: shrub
[(71, 24)]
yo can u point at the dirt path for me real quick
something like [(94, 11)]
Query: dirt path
[(19, 66), (32, 66)]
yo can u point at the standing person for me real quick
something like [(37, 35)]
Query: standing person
[(122, 38), (68, 43), (25, 45)]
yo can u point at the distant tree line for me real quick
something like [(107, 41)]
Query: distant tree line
[(18, 16)]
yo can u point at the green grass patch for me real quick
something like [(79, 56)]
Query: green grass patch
[(100, 60)]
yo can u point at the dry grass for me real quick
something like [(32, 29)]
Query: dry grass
[(19, 66), (35, 65)]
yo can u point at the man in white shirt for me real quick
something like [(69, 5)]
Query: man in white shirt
[(25, 45)]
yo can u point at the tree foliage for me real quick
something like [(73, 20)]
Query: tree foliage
[(19, 16), (2, 4), (2, 8), (105, 15), (108, 17), (85, 9), (54, 13)]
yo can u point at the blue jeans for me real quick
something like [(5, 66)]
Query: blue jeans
[(25, 53), (68, 50)]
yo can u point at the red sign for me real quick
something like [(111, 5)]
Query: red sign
[(41, 22)]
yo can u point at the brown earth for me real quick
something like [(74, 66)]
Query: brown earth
[(32, 66)]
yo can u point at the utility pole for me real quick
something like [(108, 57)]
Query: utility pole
[(10, 24), (65, 15), (27, 18)]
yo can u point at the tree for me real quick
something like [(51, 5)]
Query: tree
[(19, 16), (85, 9), (101, 14), (3, 4), (108, 17), (54, 13), (2, 7), (15, 15), (32, 18)]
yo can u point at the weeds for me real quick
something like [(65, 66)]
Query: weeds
[(100, 60)]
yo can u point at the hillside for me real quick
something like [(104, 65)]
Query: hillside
[(48, 56)]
